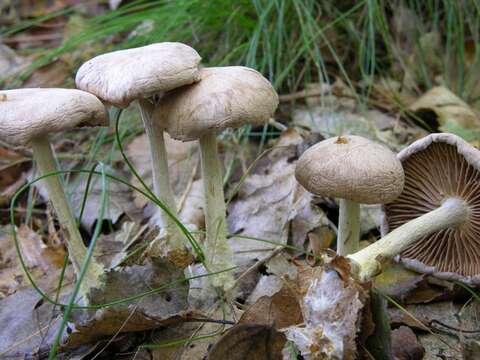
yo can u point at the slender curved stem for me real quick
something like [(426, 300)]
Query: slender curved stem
[(451, 213), (348, 227), (218, 252), (42, 152), (161, 178)]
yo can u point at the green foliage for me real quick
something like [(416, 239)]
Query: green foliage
[(294, 42)]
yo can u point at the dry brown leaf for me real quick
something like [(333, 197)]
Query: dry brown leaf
[(182, 157), (267, 285), (34, 249), (29, 318), (282, 309), (396, 281), (54, 74), (112, 249), (199, 349), (471, 350), (439, 106), (449, 322), (168, 306), (440, 347), (29, 330), (422, 314), (249, 341), (119, 199), (14, 172), (330, 122), (43, 262), (282, 266), (405, 345), (271, 205)]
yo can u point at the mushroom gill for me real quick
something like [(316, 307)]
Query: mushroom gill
[(434, 174)]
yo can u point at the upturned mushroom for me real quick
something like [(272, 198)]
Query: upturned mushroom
[(225, 97), (356, 170), (435, 222), (27, 117), (140, 74)]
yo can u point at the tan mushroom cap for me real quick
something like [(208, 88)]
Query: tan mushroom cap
[(437, 167), (122, 76), (29, 113), (351, 167), (225, 97)]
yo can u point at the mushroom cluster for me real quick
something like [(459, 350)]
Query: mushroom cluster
[(190, 103), (430, 193), (174, 94), (434, 223)]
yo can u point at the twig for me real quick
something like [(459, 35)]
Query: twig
[(277, 125), (255, 266), (456, 329), (300, 95), (33, 38)]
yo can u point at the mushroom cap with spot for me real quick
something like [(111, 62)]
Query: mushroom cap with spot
[(225, 97), (122, 76), (437, 167), (353, 168), (29, 113)]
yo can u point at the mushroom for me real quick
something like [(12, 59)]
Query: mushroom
[(226, 97), (140, 74), (27, 117), (356, 170), (435, 222)]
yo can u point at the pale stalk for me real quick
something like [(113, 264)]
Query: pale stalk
[(218, 252), (161, 178), (453, 212), (43, 155), (348, 227)]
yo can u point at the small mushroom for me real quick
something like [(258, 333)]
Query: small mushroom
[(435, 222), (225, 97), (356, 170), (27, 117), (140, 74)]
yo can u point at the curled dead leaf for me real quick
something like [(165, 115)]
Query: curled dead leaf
[(168, 306), (249, 341), (439, 106)]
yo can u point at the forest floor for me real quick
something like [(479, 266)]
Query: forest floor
[(390, 73)]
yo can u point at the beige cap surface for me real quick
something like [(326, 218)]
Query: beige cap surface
[(225, 97), (122, 76), (29, 113), (438, 167), (351, 167)]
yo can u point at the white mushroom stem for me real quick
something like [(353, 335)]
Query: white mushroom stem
[(348, 227), (161, 179), (453, 212), (218, 252), (43, 154)]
